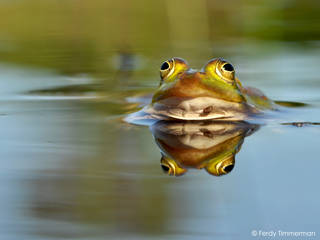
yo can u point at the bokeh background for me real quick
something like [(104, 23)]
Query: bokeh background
[(76, 37), (71, 169)]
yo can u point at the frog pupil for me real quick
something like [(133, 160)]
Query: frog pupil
[(165, 168), (228, 67), (164, 66), (228, 168)]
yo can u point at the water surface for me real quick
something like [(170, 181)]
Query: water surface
[(73, 169)]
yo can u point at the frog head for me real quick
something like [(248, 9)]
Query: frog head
[(213, 92)]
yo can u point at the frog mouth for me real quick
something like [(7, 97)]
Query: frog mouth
[(201, 108)]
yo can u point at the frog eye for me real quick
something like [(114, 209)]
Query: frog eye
[(170, 69), (170, 167), (228, 168), (221, 69), (221, 167), (228, 67), (165, 66), (227, 71), (165, 168), (166, 69)]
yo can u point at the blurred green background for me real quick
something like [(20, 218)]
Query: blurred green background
[(78, 36)]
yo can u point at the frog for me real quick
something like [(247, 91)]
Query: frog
[(199, 118), (214, 92), (209, 145)]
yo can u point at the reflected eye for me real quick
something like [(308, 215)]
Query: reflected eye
[(170, 167), (165, 168), (222, 167), (228, 168)]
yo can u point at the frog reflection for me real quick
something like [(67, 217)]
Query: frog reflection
[(200, 144)]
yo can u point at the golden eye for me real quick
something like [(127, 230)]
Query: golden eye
[(227, 71), (170, 167), (166, 69), (222, 167)]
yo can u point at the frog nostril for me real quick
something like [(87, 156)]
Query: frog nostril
[(164, 66), (228, 67)]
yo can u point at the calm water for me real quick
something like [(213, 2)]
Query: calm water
[(73, 169)]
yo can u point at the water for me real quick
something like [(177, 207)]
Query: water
[(73, 169)]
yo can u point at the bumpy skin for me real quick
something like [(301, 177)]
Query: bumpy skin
[(212, 93)]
